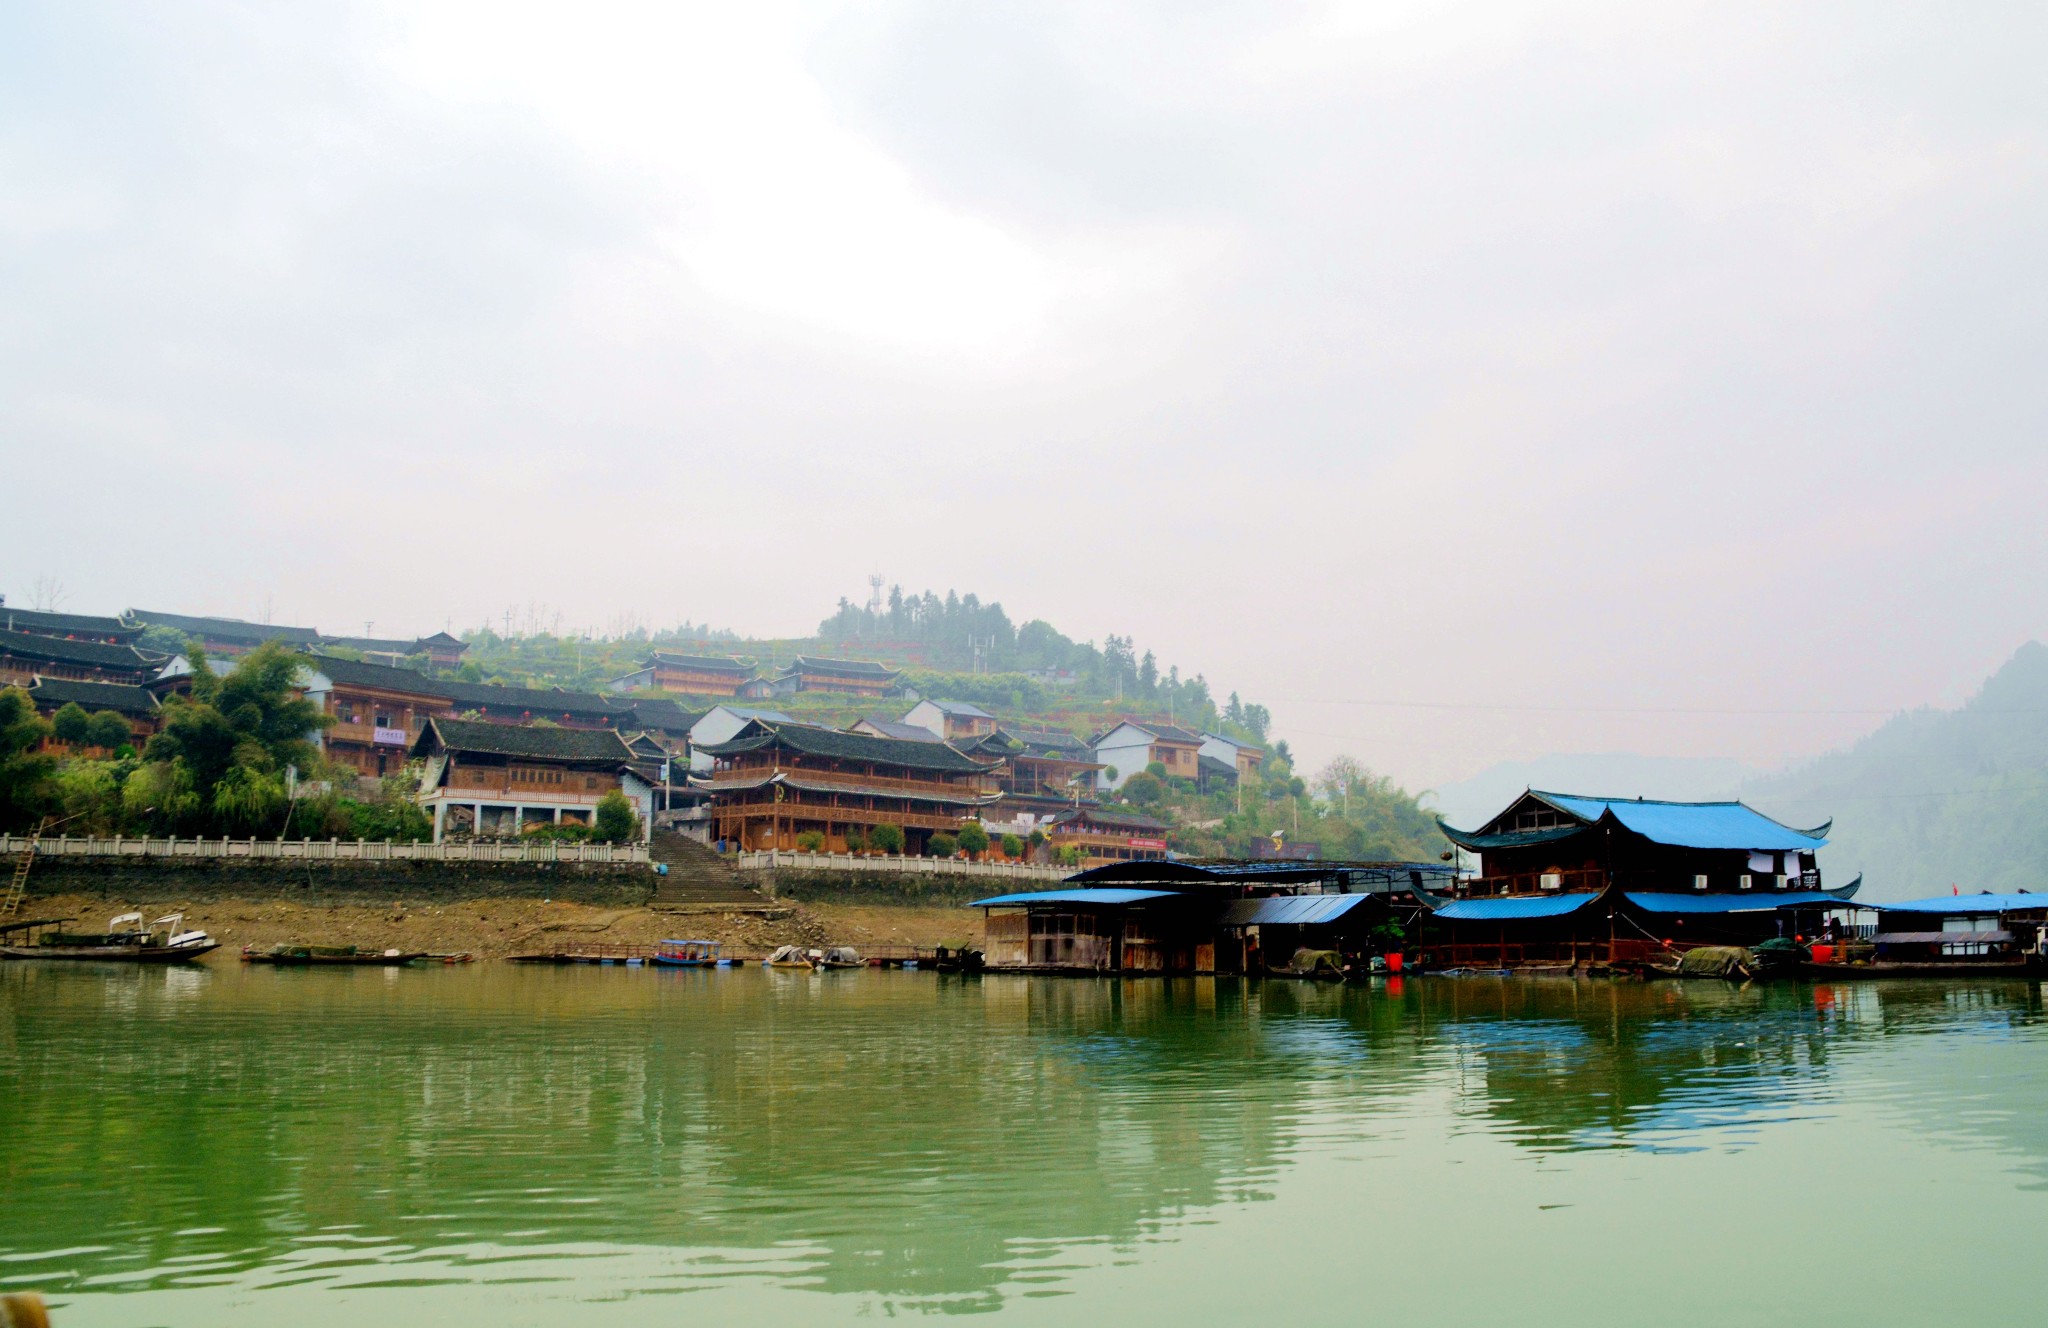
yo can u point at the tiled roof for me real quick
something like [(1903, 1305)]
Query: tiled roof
[(357, 673), (838, 744), (852, 668), (98, 654), (374, 644), (543, 744), (227, 629), (699, 663), (665, 715), (1109, 820), (64, 624), (532, 700), (964, 709), (908, 732), (1052, 742), (56, 692)]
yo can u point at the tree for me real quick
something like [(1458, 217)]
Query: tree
[(89, 796), (942, 845), (811, 841), (1013, 847), (886, 839), (1145, 789), (253, 721), (25, 791), (855, 841), (71, 724), (973, 839), (108, 729), (617, 821), (1156, 769)]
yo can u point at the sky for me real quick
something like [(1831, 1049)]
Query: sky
[(1466, 382)]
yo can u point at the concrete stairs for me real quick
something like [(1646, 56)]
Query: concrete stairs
[(700, 881)]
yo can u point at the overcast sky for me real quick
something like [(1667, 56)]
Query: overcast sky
[(1667, 375)]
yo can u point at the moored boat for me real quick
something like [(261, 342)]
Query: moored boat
[(125, 941), (687, 954), (788, 956), (313, 956), (839, 956)]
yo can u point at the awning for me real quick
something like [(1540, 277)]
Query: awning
[(1514, 909), (1074, 897), (1754, 901), (1291, 910), (1942, 938), (1964, 906)]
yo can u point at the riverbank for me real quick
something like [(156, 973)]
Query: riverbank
[(495, 928)]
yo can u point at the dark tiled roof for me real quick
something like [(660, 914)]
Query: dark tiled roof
[(1209, 765), (542, 744), (907, 732), (966, 709), (1051, 742), (998, 743), (531, 700), (1172, 733), (97, 654), (373, 644), (1109, 820), (53, 693), (850, 668), (444, 640), (66, 624), (838, 744), (699, 663), (357, 673), (227, 629), (666, 716)]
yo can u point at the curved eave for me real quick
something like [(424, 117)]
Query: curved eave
[(1480, 843)]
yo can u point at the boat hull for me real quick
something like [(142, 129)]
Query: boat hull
[(331, 961), (110, 954)]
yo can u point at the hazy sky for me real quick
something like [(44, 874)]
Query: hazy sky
[(1676, 367)]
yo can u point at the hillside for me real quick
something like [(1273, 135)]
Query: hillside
[(1937, 797)]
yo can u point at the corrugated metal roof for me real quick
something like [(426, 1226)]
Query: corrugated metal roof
[(1754, 901), (1690, 824), (1509, 910), (1074, 897), (1291, 910), (1964, 906), (1941, 938)]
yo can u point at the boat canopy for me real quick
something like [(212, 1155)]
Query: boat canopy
[(1969, 906), (1099, 896), (1513, 908)]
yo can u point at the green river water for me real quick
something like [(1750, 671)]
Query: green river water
[(500, 1145)]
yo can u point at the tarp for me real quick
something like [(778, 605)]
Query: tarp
[(1509, 910), (1291, 910), (1968, 906), (1691, 824), (1749, 901), (1074, 897), (1715, 961)]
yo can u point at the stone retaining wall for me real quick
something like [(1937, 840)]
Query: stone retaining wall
[(846, 887), (341, 882)]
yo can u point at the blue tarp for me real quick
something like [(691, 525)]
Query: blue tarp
[(1510, 910), (1074, 897), (1691, 824), (1291, 910), (1754, 901), (1967, 906)]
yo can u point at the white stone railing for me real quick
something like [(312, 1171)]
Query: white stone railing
[(361, 850), (854, 862)]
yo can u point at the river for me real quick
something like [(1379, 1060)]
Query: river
[(503, 1145)]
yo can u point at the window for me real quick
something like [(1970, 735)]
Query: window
[(1742, 881), (1699, 882), (383, 721)]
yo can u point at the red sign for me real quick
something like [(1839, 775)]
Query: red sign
[(1148, 843)]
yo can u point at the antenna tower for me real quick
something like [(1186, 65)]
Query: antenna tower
[(875, 593)]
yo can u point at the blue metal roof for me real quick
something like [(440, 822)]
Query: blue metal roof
[(1967, 906), (1510, 910), (1755, 901), (1292, 910), (1690, 824), (1074, 897)]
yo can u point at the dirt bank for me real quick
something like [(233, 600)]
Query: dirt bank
[(494, 928)]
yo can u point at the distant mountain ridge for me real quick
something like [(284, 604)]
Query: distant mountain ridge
[(1936, 798)]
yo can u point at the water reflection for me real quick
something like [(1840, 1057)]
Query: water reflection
[(933, 1142)]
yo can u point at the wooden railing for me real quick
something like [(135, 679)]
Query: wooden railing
[(1529, 883), (366, 850), (899, 865), (850, 780), (812, 811)]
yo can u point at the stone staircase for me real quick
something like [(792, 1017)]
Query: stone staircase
[(700, 881)]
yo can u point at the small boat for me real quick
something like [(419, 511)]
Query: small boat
[(311, 956), (687, 954), (125, 941), (789, 956), (839, 956)]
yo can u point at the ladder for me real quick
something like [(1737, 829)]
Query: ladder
[(19, 885)]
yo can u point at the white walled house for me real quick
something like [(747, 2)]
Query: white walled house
[(951, 719), (719, 724)]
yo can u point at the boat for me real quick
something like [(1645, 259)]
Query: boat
[(125, 941), (839, 956), (687, 954), (789, 956), (311, 956)]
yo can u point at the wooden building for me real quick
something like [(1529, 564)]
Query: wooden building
[(26, 656), (498, 780), (1106, 836), (772, 782), (954, 721), (499, 704), (441, 651), (1043, 776), (70, 626), (1567, 881), (378, 710), (1130, 745), (138, 706), (226, 636), (850, 677), (689, 675), (1243, 758)]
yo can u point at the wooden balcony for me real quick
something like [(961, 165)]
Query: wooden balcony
[(1532, 883), (799, 813), (973, 784)]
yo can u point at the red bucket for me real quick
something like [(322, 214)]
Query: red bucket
[(1823, 954), (1394, 962)]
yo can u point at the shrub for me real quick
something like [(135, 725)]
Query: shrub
[(855, 841), (886, 839), (71, 723), (1156, 769), (1013, 847), (107, 729), (1146, 790), (811, 841), (617, 822), (973, 839), (942, 845), (1037, 838)]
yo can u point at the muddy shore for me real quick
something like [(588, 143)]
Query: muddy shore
[(495, 928)]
